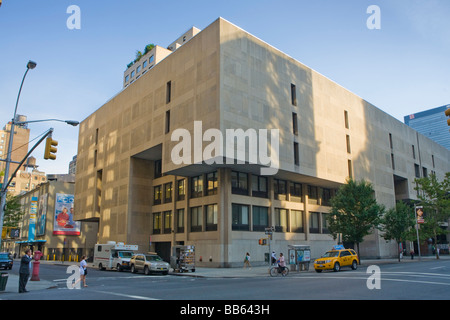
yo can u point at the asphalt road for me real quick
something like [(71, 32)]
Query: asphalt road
[(428, 280)]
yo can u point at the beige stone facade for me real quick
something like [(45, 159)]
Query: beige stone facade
[(226, 78)]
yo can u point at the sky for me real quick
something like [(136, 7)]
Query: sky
[(402, 68)]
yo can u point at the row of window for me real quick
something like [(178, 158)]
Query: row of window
[(204, 218), (139, 68), (200, 219), (207, 185)]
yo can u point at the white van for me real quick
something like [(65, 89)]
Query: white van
[(113, 255)]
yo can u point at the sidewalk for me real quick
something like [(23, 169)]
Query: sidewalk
[(256, 271)]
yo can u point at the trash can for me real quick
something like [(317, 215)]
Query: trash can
[(3, 280)]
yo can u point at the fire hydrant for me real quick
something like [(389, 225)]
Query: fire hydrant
[(35, 274)]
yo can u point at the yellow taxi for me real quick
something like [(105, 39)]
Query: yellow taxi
[(336, 259)]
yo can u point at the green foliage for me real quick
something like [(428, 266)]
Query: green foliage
[(434, 196), (354, 212), (13, 212)]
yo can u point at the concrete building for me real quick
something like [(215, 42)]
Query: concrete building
[(48, 234), (223, 78), (432, 124)]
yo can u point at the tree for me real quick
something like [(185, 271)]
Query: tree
[(434, 196), (354, 212), (397, 224), (13, 212)]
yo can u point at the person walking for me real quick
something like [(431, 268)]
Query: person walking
[(83, 270), (274, 258), (24, 271), (247, 261)]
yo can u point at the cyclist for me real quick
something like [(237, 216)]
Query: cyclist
[(281, 263)]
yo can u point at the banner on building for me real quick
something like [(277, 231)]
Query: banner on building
[(63, 222), (41, 217)]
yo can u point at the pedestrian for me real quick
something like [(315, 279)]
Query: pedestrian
[(83, 270), (274, 258), (247, 261), (24, 271)]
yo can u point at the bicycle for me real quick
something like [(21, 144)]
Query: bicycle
[(276, 271)]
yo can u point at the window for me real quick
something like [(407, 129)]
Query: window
[(240, 218), (157, 195), (413, 152), (181, 191), (313, 195), (197, 187), (158, 168), (127, 78), (326, 197), (392, 161), (168, 192), (259, 186), (157, 223), (132, 73), (167, 221), (180, 220), (211, 217), (348, 144), (325, 223), (293, 95), (239, 183), (196, 219), (281, 220), (211, 183), (260, 218), (144, 64), (349, 167), (296, 189), (296, 157), (432, 160), (167, 121), (152, 58), (294, 123), (279, 188), (425, 172), (417, 170), (314, 222), (297, 221), (390, 141), (346, 119), (168, 91), (138, 69)]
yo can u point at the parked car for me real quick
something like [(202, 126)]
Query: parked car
[(6, 261), (336, 259), (149, 263)]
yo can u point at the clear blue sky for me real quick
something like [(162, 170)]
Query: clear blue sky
[(402, 68)]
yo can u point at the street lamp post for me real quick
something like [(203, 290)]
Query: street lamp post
[(30, 65)]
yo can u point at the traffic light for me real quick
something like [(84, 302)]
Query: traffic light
[(447, 113), (50, 149), (262, 242)]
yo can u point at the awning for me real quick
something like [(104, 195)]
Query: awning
[(31, 241)]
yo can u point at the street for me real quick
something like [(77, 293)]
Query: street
[(426, 280)]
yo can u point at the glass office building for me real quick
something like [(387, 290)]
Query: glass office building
[(432, 124)]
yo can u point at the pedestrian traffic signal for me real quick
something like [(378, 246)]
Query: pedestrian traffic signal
[(262, 242), (50, 149), (447, 113)]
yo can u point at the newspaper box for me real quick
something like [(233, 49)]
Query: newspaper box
[(183, 258), (299, 257)]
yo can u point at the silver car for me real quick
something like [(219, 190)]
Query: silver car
[(149, 263)]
